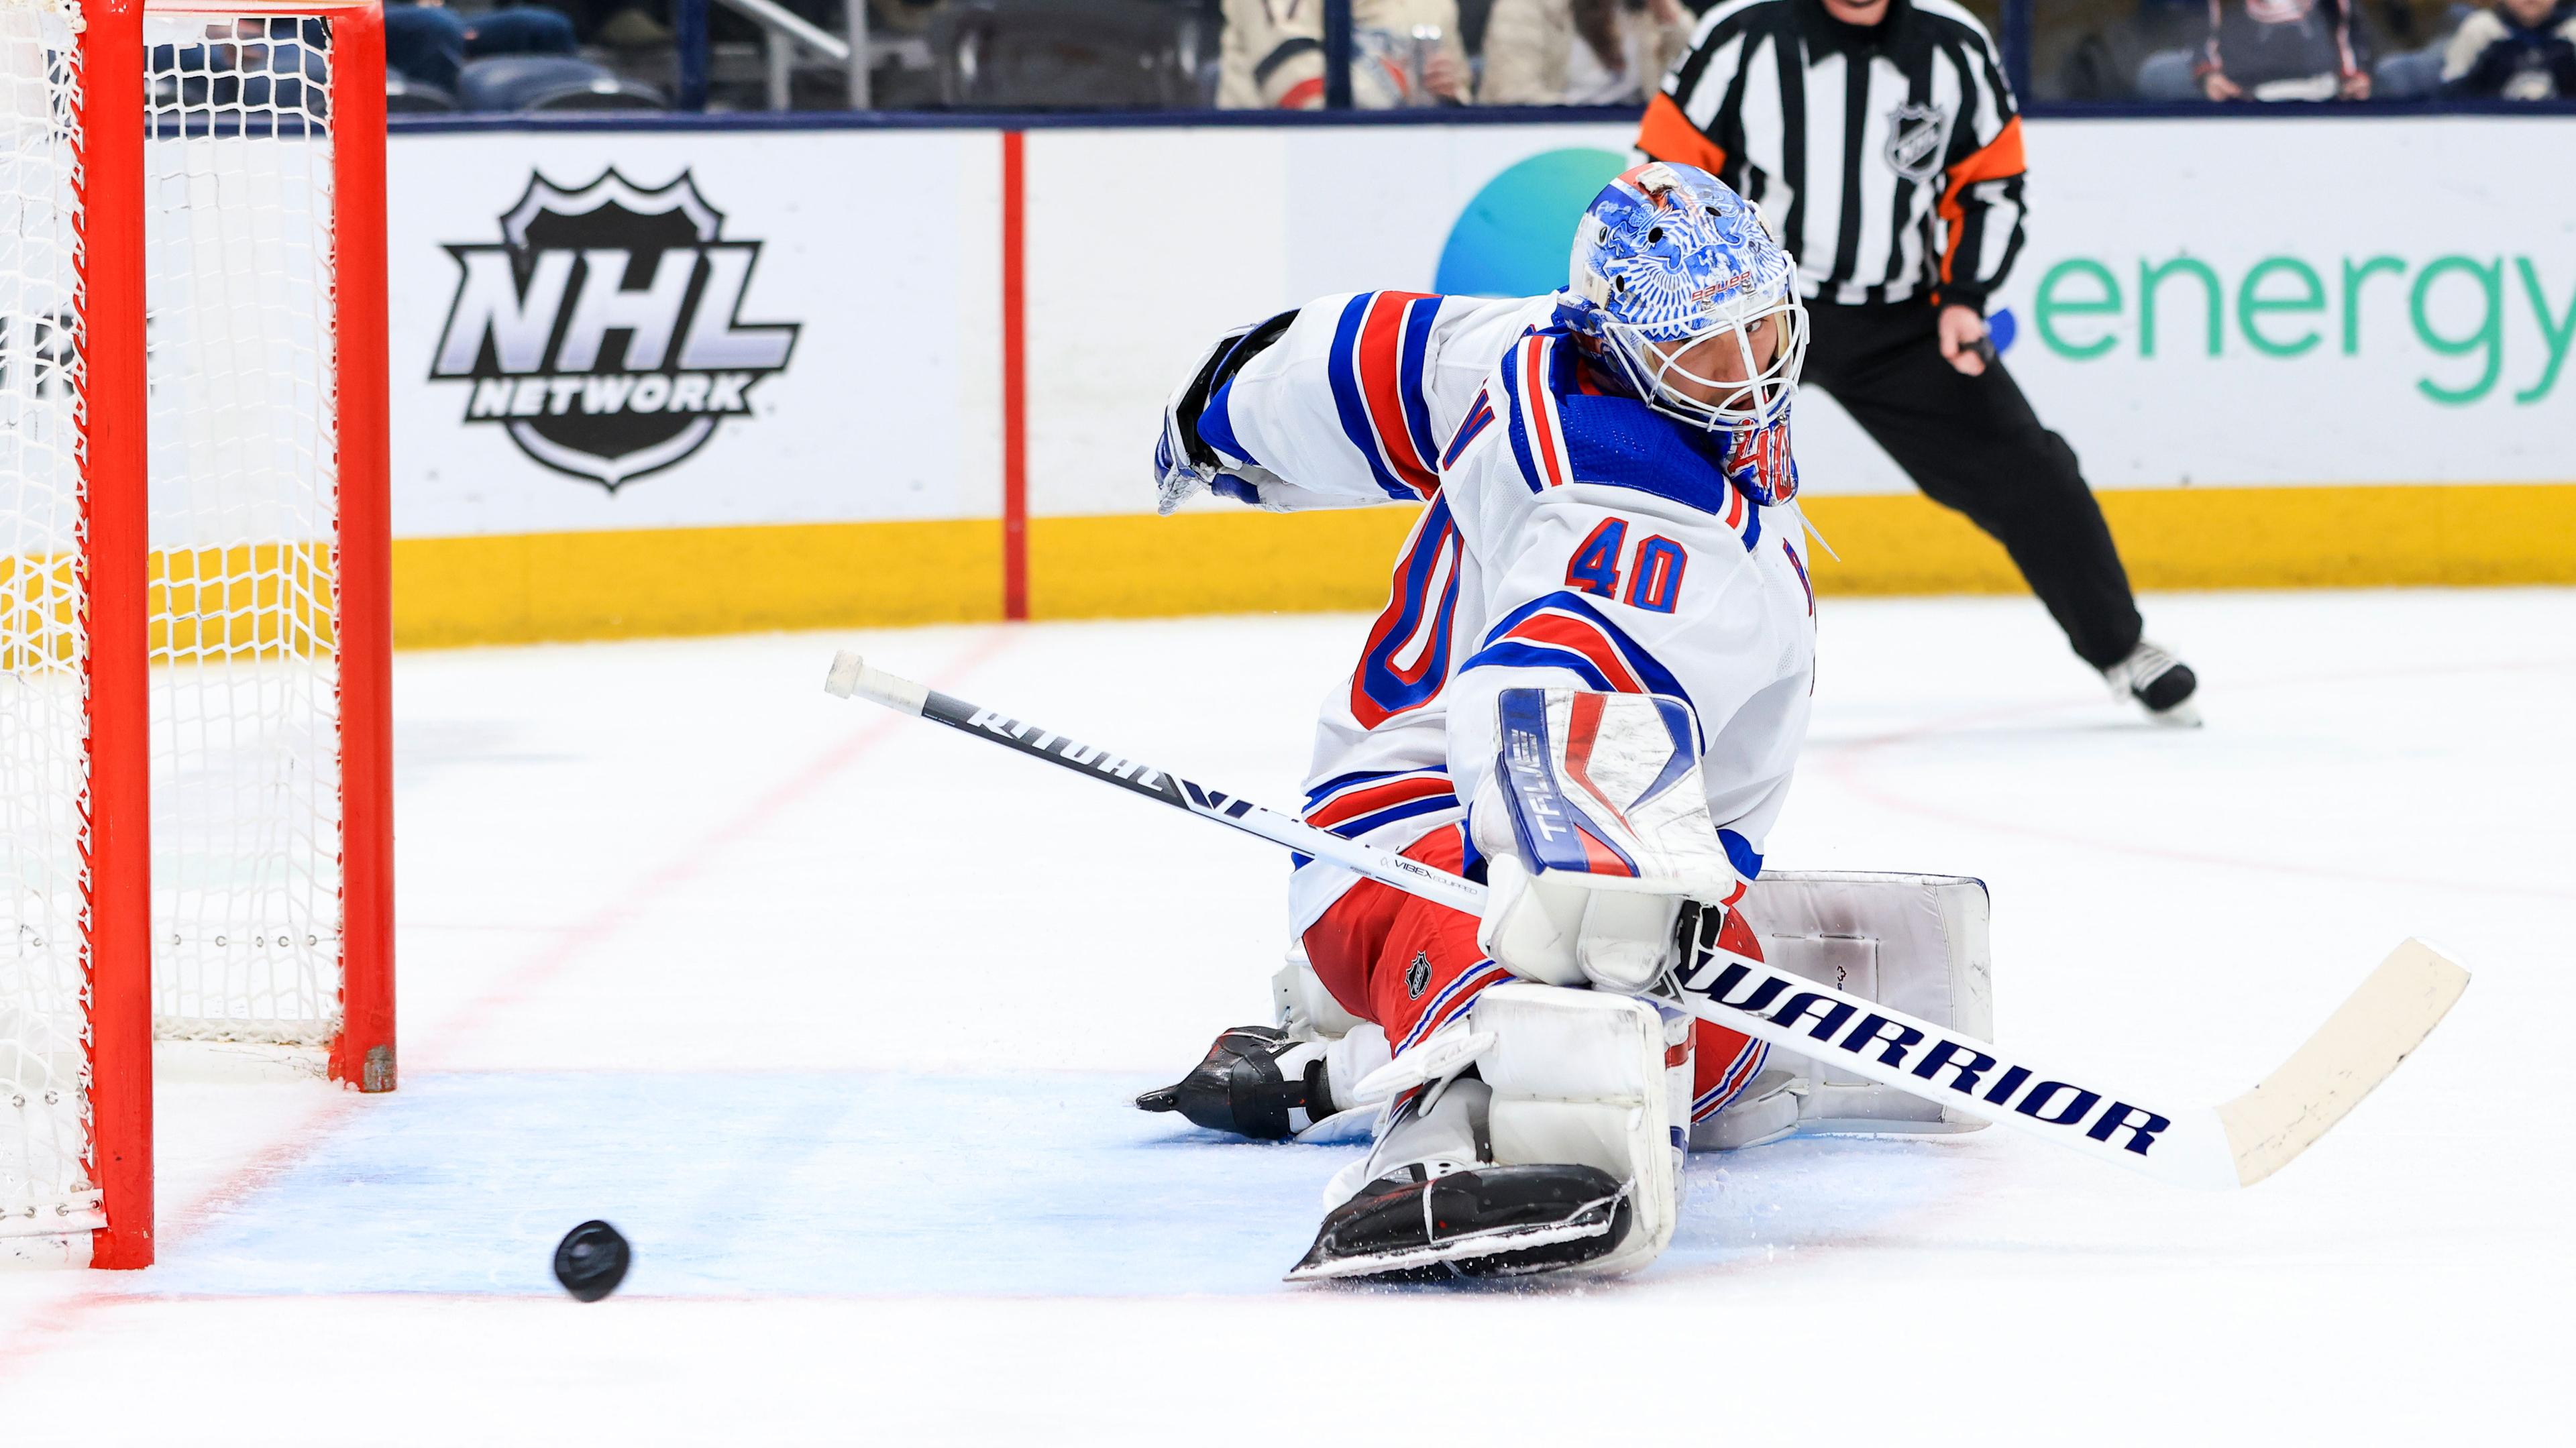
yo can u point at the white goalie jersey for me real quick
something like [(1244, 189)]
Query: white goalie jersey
[(1571, 537)]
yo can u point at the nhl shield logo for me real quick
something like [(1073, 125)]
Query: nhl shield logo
[(1917, 135), (603, 330), (1417, 976)]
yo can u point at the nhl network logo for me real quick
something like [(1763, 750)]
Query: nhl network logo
[(603, 331)]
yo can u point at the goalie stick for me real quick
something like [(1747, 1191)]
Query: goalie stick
[(2236, 1143)]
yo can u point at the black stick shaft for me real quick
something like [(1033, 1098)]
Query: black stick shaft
[(851, 676)]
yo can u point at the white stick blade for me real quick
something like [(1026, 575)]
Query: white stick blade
[(843, 681), (851, 676), (2378, 1026)]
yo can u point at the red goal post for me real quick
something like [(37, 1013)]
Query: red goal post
[(195, 622)]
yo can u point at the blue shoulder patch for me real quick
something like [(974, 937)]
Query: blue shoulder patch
[(1624, 443), (1609, 438)]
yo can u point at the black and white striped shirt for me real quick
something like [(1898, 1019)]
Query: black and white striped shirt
[(1888, 159)]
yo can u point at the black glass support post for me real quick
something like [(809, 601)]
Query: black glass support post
[(689, 20), (1337, 55), (2016, 45)]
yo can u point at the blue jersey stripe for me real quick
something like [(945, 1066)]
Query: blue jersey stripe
[(1514, 654), (1519, 433), (1741, 854), (1341, 782), (1502, 652), (1479, 417), (1353, 829), (1348, 401), (1418, 318), (1655, 676), (1216, 426)]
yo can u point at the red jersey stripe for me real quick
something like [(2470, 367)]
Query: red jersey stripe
[(1584, 639), (1380, 364), (1370, 798), (1541, 406)]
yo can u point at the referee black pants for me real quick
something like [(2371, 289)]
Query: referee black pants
[(1973, 444)]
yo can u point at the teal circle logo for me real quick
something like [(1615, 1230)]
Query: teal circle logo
[(1514, 238)]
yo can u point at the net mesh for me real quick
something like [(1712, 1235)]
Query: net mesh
[(244, 722), (245, 733), (44, 780)]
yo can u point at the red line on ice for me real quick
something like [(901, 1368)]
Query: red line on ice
[(59, 1320)]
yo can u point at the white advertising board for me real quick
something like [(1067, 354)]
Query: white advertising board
[(2305, 301), (2334, 301), (600, 329), (1144, 244), (2201, 302)]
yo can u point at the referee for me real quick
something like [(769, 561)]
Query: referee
[(1879, 140)]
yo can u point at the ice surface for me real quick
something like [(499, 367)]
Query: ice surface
[(836, 1015), (1039, 1184)]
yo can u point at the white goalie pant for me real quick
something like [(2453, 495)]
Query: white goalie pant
[(1915, 942), (1568, 1077)]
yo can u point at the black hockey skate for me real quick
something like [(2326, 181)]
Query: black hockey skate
[(2160, 683), (1255, 1082), (1484, 1221)]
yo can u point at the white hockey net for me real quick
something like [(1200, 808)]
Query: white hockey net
[(245, 729), (44, 781), (244, 726)]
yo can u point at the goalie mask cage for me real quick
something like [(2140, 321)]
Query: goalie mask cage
[(195, 814)]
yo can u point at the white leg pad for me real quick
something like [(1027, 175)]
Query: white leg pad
[(1580, 1077), (1915, 942)]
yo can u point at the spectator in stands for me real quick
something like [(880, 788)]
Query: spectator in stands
[(2522, 50), (1403, 53), (430, 43), (1580, 52), (2281, 50)]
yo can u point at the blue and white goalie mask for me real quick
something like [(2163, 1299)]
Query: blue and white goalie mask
[(1689, 298)]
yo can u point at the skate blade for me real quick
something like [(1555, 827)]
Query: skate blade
[(1592, 1219), (2185, 715)]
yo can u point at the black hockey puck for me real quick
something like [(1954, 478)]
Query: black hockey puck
[(591, 1260)]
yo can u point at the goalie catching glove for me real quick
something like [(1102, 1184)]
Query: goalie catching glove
[(1596, 828), (1184, 463)]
